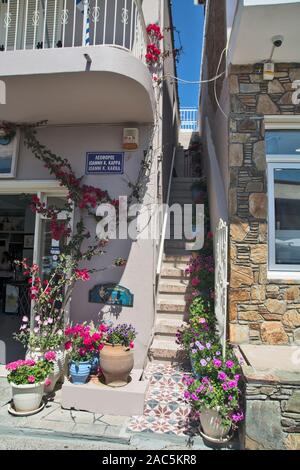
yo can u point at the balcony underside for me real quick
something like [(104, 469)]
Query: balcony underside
[(254, 27), (60, 86)]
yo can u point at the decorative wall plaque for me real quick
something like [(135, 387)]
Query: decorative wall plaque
[(111, 294)]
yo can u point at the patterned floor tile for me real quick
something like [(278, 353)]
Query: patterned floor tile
[(166, 411)]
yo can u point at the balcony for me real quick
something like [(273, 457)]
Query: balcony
[(189, 119), (102, 43)]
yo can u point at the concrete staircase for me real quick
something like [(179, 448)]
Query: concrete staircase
[(173, 286)]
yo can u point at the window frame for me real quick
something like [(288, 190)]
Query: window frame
[(281, 161)]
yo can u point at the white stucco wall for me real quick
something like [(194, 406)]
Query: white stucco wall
[(138, 275)]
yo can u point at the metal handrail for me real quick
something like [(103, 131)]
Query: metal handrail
[(165, 219)]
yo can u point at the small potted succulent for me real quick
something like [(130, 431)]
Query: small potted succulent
[(82, 342), (28, 378), (116, 357)]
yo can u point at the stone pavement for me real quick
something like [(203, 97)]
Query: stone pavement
[(165, 424)]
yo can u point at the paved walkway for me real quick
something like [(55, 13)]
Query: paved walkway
[(165, 424)]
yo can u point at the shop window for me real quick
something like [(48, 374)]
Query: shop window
[(283, 161)]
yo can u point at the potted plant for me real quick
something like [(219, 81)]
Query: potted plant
[(82, 342), (49, 296), (215, 394), (116, 357), (28, 378)]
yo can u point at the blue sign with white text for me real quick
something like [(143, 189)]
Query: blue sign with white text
[(105, 163)]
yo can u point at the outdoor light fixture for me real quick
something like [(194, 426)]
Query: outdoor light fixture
[(269, 66), (88, 58)]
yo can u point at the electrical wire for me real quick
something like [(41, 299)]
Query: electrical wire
[(215, 83), (198, 82)]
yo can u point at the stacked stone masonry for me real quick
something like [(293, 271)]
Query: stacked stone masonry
[(260, 311), (278, 405)]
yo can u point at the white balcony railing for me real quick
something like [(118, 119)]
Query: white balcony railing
[(189, 119), (44, 24)]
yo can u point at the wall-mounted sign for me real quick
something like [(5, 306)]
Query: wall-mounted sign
[(105, 163), (111, 294)]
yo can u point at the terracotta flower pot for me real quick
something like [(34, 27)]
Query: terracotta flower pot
[(116, 364)]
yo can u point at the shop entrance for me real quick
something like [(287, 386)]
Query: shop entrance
[(23, 234)]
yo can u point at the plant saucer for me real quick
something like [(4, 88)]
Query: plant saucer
[(214, 440), (13, 412)]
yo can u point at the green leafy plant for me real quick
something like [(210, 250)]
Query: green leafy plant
[(24, 372)]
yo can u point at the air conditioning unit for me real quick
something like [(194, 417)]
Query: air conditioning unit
[(130, 139)]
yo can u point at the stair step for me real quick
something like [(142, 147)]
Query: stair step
[(171, 305), (168, 326), (177, 252), (183, 179), (178, 260), (176, 244), (174, 272), (174, 286), (166, 349)]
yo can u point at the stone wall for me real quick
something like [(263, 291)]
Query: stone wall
[(259, 311), (272, 408)]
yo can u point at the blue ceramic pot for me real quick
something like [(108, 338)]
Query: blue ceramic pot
[(95, 362), (80, 371)]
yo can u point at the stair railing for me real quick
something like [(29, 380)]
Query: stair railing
[(165, 222)]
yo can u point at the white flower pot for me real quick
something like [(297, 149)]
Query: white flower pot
[(58, 371), (37, 354), (27, 397), (211, 423)]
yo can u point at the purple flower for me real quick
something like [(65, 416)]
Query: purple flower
[(229, 364), (218, 353), (224, 386), (194, 351), (222, 376), (217, 363), (208, 345), (237, 417), (187, 395), (237, 377), (203, 362), (199, 346), (232, 384), (194, 397), (230, 398)]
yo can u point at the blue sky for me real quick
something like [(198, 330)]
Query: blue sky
[(188, 20)]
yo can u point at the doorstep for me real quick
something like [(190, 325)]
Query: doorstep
[(99, 398)]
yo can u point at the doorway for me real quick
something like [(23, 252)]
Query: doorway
[(23, 234)]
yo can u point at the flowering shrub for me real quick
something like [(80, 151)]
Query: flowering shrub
[(83, 341), (216, 381), (28, 371), (121, 334), (153, 51), (50, 297)]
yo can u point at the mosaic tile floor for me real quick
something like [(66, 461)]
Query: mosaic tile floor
[(166, 411)]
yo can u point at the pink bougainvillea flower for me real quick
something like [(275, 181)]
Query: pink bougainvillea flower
[(31, 379), (131, 345), (48, 382), (68, 345)]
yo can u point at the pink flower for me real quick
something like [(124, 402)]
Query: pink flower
[(68, 345), (25, 319), (195, 282), (50, 356), (31, 379), (131, 345), (100, 347), (229, 364), (48, 382)]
